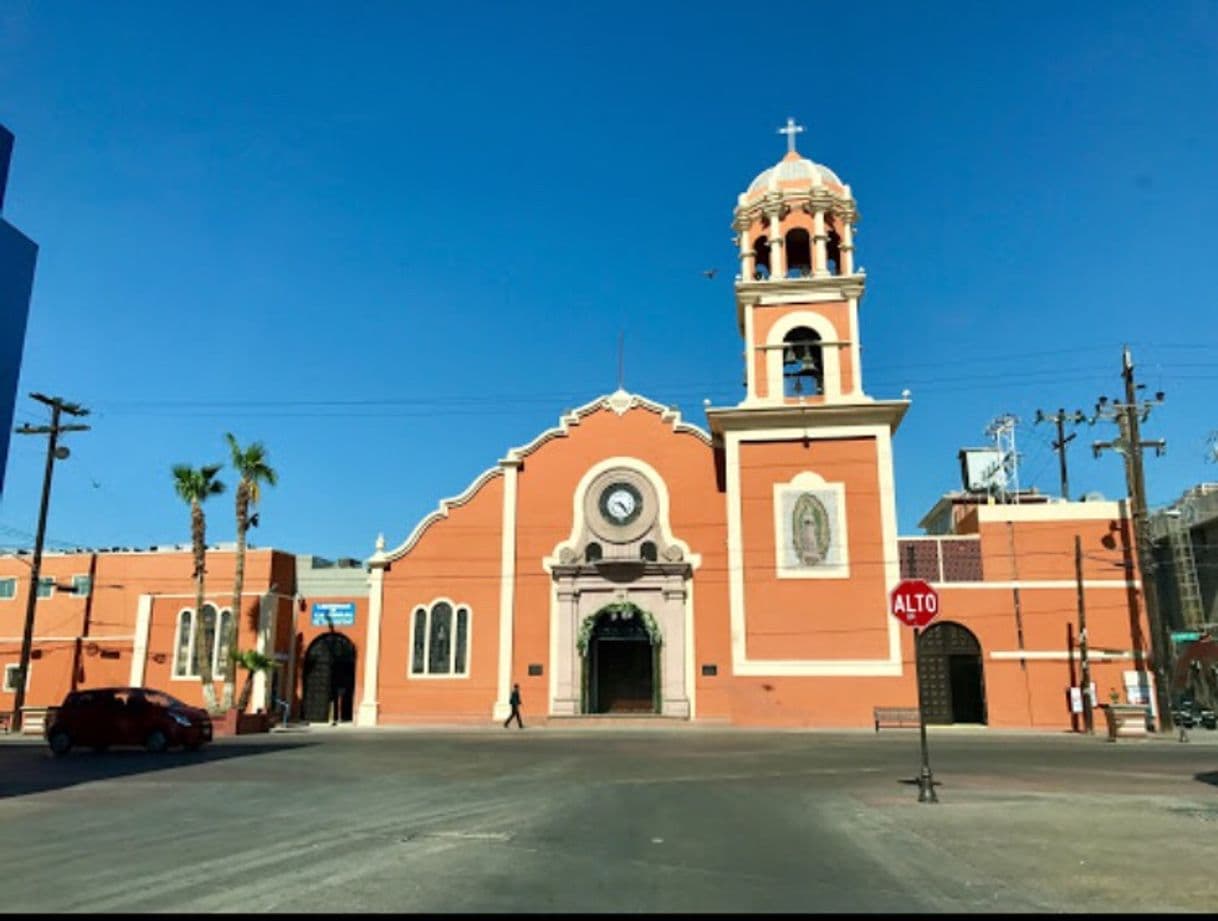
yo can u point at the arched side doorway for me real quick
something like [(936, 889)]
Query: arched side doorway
[(951, 674), (329, 677), (620, 648)]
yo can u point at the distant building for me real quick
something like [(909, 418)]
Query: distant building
[(17, 256)]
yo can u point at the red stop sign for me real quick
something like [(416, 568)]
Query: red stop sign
[(914, 603)]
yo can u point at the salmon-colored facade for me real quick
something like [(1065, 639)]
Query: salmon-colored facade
[(627, 561)]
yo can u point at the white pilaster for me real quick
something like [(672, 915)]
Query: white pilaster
[(368, 707), (267, 609), (820, 257), (748, 259), (507, 589), (847, 248), (139, 651), (778, 250)]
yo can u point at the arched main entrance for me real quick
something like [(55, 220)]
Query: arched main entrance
[(329, 677), (620, 645), (952, 679)]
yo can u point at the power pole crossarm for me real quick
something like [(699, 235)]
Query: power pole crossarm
[(1060, 418), (54, 452)]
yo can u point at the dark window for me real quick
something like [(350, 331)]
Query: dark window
[(440, 648), (420, 641), (462, 641), (648, 551), (534, 670), (592, 552), (710, 670), (182, 666)]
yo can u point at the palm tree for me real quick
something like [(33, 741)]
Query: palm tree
[(194, 486), (253, 662), (253, 470)]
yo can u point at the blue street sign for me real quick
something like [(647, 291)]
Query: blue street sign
[(333, 614)]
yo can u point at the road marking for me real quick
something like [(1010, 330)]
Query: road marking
[(469, 835)]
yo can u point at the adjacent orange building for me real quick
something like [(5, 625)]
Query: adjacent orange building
[(627, 561)]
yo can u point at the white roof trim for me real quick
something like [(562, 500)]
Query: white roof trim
[(619, 402)]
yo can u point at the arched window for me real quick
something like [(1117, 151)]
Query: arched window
[(803, 372), (212, 636), (440, 637), (592, 552), (207, 637), (418, 659), (440, 640), (799, 253), (183, 662), (761, 268), (648, 551), (220, 665)]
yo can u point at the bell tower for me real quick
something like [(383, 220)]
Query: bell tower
[(807, 454), (798, 290)]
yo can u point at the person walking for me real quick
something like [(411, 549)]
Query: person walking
[(514, 700)]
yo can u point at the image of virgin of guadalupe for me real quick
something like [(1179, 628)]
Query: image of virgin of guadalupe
[(810, 534)]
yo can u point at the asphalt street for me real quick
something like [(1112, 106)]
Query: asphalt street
[(613, 820)]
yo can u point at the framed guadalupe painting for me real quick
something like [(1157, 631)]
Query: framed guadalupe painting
[(810, 528)]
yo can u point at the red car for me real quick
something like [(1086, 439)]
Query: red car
[(101, 717)]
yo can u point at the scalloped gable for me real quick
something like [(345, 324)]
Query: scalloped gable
[(619, 402)]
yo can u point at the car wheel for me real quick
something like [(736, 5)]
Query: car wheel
[(60, 742), (157, 741)]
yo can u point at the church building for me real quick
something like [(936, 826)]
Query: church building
[(630, 562)]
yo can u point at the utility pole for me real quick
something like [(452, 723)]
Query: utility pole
[(1129, 414), (1061, 417), (54, 452), (1084, 662)]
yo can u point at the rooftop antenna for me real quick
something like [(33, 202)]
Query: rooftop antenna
[(1002, 430)]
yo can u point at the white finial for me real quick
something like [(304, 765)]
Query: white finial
[(380, 543), (790, 131)]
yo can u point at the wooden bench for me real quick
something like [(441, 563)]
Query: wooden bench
[(897, 717)]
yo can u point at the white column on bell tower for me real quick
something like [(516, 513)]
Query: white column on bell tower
[(748, 259), (820, 256), (778, 252), (847, 247)]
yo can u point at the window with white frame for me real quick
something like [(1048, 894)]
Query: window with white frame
[(8, 589), (440, 639), (46, 586), (213, 639), (12, 674), (81, 585)]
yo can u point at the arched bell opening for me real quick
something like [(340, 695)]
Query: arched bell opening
[(803, 370), (799, 253), (833, 252), (761, 266)]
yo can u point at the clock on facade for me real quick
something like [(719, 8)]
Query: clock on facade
[(621, 503)]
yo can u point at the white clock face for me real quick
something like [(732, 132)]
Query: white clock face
[(620, 504)]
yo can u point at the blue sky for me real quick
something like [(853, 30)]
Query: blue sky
[(393, 240)]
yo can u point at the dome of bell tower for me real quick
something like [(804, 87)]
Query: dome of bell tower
[(794, 172)]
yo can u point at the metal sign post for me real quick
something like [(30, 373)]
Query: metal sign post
[(926, 779), (915, 603)]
